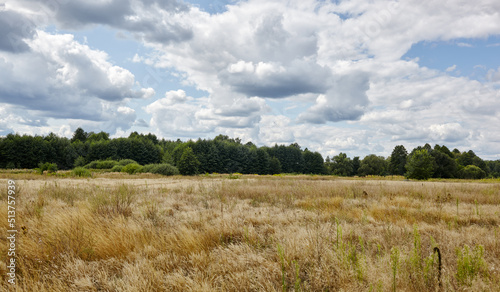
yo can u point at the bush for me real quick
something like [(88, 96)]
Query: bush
[(82, 172), (117, 168), (47, 166), (125, 162), (106, 164), (102, 164), (132, 168), (92, 164), (472, 172), (163, 169), (80, 161)]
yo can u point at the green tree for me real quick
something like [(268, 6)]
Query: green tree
[(188, 163), (444, 165), (398, 160), (274, 166), (356, 163), (313, 162), (80, 135), (420, 165), (341, 165), (373, 165), (472, 172)]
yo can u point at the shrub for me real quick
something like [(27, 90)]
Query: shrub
[(125, 162), (80, 161), (92, 164), (106, 164), (148, 168), (472, 172), (132, 168), (101, 164), (163, 169), (117, 168), (82, 172), (47, 166)]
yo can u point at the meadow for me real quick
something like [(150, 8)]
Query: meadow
[(120, 232)]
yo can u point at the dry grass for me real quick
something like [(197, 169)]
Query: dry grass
[(116, 232)]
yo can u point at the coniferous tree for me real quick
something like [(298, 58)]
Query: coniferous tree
[(398, 160), (80, 135), (274, 166), (188, 163)]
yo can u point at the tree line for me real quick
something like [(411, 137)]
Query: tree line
[(229, 155)]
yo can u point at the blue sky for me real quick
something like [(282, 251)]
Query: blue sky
[(472, 58), (354, 76)]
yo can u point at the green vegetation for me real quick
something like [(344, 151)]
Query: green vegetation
[(420, 165), (188, 163), (229, 155), (132, 168), (82, 172)]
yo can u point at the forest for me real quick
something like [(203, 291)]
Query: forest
[(229, 155)]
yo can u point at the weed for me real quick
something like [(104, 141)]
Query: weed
[(81, 172), (283, 267), (297, 277), (470, 264)]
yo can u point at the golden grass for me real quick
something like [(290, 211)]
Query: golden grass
[(116, 232)]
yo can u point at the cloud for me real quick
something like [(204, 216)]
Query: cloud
[(450, 132), (63, 79), (14, 29), (275, 80), (347, 100), (336, 63), (149, 20), (451, 68)]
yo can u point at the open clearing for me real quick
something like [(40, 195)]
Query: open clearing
[(253, 233)]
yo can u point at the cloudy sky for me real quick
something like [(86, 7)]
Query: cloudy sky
[(353, 76)]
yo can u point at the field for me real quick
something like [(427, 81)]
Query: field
[(119, 232)]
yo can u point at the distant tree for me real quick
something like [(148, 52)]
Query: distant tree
[(472, 172), (466, 158), (188, 163), (274, 166), (341, 165), (444, 165), (420, 165), (356, 163), (313, 162), (373, 165), (97, 137), (263, 161), (398, 160), (80, 135), (494, 167)]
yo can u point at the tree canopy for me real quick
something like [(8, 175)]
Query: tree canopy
[(229, 155)]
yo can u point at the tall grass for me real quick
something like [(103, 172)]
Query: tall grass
[(264, 233)]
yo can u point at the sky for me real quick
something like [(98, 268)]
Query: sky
[(353, 76)]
